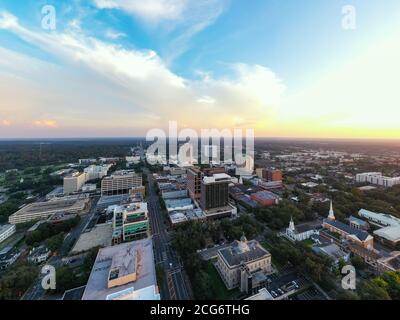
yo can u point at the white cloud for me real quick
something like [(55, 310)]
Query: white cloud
[(102, 86), (149, 10), (114, 35), (177, 20)]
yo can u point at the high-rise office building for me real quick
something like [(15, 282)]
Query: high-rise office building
[(120, 182), (215, 191), (74, 182), (194, 176)]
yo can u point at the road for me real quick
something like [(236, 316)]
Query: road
[(36, 291), (176, 280)]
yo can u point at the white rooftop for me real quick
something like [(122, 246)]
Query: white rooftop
[(123, 255)]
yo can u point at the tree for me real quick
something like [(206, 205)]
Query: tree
[(16, 281), (55, 242), (370, 290), (347, 295)]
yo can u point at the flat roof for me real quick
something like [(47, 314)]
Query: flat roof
[(97, 286), (52, 205), (6, 227)]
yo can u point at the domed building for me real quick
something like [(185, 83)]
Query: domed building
[(244, 264)]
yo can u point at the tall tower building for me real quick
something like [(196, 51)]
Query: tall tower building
[(215, 191)]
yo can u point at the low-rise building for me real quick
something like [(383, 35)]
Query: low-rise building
[(43, 210), (334, 252), (378, 179), (265, 198), (6, 231), (179, 204), (389, 233), (124, 272), (361, 237)]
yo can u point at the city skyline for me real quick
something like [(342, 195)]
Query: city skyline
[(115, 68)]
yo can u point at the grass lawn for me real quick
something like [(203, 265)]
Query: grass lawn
[(218, 286)]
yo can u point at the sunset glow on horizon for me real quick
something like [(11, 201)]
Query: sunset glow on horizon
[(110, 69)]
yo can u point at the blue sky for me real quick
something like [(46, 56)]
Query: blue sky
[(251, 63)]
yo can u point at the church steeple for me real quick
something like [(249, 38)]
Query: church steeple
[(291, 224), (331, 213)]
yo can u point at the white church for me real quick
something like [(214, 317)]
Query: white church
[(299, 233)]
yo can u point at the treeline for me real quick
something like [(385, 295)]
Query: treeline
[(349, 203), (23, 155)]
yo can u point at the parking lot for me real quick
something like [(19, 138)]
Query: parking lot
[(281, 286)]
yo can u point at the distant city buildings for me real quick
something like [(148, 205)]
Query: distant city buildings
[(95, 172), (377, 178)]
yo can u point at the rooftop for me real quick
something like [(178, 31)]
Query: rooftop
[(360, 234), (243, 252), (120, 261)]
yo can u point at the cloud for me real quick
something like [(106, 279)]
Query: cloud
[(149, 10), (6, 123), (104, 88), (46, 123), (114, 35), (176, 20)]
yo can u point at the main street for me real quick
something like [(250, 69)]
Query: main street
[(176, 280)]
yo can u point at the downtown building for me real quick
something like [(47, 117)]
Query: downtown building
[(244, 265), (130, 222), (74, 182), (214, 199), (121, 182)]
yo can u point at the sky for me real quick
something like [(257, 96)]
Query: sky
[(118, 68)]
